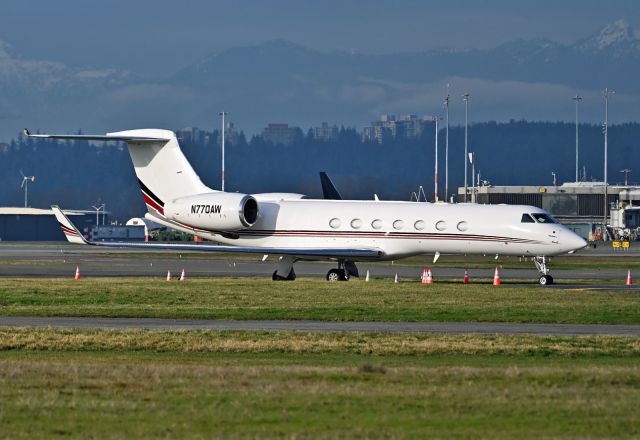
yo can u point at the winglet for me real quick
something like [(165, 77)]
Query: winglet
[(70, 231)]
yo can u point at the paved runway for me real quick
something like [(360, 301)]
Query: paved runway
[(327, 326)]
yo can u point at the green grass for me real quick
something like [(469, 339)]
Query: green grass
[(197, 384), (252, 298)]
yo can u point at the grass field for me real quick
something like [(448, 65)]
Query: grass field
[(195, 384), (257, 298)]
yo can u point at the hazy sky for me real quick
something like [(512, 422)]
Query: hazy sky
[(155, 38)]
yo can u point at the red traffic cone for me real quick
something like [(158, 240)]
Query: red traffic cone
[(629, 279), (168, 275), (182, 275), (496, 277), (465, 280), (77, 275)]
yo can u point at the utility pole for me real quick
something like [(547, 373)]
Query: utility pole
[(606, 93), (466, 97), (223, 114), (446, 148), (577, 99)]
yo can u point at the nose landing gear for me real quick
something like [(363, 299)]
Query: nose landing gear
[(541, 264)]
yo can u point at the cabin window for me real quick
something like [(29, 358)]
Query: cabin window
[(376, 224), (335, 223), (543, 218), (398, 224), (356, 223), (441, 225), (526, 218), (419, 225), (463, 226)]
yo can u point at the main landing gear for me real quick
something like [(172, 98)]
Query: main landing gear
[(345, 270), (541, 265)]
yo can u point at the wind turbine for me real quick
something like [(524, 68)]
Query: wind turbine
[(25, 185)]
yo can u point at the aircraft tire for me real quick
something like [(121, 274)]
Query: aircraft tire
[(546, 280), (337, 275)]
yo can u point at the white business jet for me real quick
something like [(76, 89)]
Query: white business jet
[(296, 228)]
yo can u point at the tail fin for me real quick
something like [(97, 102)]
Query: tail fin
[(70, 231), (162, 170)]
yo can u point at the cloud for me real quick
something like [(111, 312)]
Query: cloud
[(151, 92)]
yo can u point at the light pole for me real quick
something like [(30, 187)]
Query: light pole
[(446, 148), (435, 171), (606, 93), (626, 172), (466, 97), (577, 99), (98, 208), (223, 114), (471, 158)]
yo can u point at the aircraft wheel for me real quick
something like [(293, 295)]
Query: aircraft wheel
[(546, 280), (336, 275)]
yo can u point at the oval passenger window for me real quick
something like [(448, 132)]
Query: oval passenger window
[(398, 224), (441, 225), (419, 225), (356, 223), (463, 226), (335, 223), (376, 224)]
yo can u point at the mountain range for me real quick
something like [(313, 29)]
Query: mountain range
[(280, 81)]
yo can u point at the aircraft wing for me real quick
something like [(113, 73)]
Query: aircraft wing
[(74, 236)]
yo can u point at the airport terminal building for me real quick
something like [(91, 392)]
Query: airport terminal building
[(580, 205)]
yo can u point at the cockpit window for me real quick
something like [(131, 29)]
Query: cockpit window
[(526, 218), (543, 218)]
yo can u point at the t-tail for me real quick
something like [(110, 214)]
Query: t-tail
[(162, 170)]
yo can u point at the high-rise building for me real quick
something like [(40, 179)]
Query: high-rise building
[(280, 133), (326, 132), (388, 126)]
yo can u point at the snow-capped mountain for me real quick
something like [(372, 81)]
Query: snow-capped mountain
[(283, 81)]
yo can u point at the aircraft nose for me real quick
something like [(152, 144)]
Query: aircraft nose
[(575, 242)]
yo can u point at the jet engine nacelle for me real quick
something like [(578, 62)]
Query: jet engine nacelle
[(218, 211)]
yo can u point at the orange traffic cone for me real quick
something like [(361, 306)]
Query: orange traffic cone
[(429, 277), (465, 280), (168, 275), (77, 275), (182, 275), (424, 275), (496, 277), (629, 279)]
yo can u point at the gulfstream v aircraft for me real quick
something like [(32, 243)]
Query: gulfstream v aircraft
[(296, 228)]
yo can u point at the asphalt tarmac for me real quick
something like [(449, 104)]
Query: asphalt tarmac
[(59, 259), (327, 326)]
